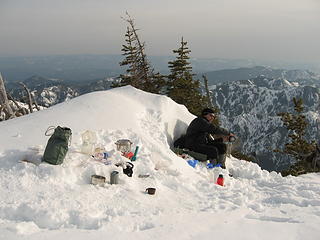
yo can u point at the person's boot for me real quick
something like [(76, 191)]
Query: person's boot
[(213, 161), (222, 160)]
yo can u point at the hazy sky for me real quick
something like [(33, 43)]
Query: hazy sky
[(257, 29)]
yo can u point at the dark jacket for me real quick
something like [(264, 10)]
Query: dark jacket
[(198, 131)]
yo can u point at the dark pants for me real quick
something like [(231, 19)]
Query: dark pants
[(211, 149)]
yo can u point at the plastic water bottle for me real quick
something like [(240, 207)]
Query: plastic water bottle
[(220, 180), (134, 157), (88, 140)]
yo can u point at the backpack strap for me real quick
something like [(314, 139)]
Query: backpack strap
[(50, 131)]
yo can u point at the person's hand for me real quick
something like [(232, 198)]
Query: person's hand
[(232, 137), (226, 138)]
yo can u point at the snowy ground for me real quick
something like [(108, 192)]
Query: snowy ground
[(49, 202)]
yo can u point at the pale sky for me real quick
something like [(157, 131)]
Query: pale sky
[(256, 29)]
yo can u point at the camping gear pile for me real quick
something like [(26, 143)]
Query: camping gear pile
[(101, 155), (60, 140)]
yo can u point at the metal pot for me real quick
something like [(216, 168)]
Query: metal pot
[(124, 145), (98, 180)]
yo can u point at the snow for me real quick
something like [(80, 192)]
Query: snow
[(42, 201)]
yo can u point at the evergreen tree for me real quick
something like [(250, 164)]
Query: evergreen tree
[(131, 60), (139, 73), (297, 147), (182, 88)]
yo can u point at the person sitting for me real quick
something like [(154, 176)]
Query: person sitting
[(199, 138)]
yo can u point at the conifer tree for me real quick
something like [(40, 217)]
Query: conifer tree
[(131, 60), (297, 147), (182, 88), (139, 74)]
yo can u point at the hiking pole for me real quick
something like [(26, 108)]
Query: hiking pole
[(73, 151)]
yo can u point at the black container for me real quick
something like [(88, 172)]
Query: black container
[(151, 191)]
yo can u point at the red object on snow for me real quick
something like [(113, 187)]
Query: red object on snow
[(220, 180), (128, 155)]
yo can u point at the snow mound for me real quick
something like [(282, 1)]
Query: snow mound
[(45, 201)]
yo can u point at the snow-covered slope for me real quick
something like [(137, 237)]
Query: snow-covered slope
[(58, 202)]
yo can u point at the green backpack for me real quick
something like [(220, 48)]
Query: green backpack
[(57, 146)]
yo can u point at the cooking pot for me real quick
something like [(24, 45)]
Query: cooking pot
[(124, 145)]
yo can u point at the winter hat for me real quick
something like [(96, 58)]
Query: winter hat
[(207, 111)]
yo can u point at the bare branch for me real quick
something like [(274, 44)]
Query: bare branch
[(35, 102), (30, 103), (22, 110), (205, 79), (4, 100)]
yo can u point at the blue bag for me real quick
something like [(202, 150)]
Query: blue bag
[(193, 162)]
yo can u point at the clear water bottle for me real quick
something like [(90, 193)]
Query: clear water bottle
[(88, 140)]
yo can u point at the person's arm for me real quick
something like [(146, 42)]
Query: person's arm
[(212, 129), (202, 125)]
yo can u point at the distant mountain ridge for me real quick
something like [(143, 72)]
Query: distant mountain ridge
[(49, 92), (67, 67), (228, 75), (250, 107), (98, 66)]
